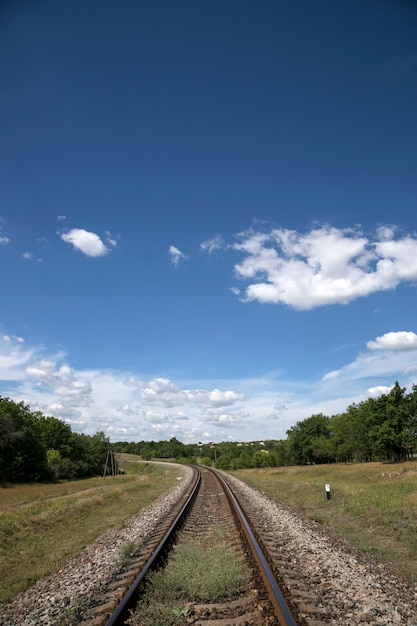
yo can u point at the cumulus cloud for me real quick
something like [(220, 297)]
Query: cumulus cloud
[(176, 256), (376, 392), (215, 398), (223, 419), (324, 266), (401, 340), (163, 392), (88, 243), (119, 403), (63, 381)]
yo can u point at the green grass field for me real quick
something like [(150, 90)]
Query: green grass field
[(42, 526), (372, 506)]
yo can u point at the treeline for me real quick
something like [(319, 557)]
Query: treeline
[(224, 455), (34, 447), (383, 429)]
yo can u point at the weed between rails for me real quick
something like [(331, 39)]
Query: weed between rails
[(199, 570), (126, 552)]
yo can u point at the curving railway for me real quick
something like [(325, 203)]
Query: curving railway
[(323, 580), (211, 502)]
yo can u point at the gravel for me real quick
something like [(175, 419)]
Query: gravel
[(343, 587)]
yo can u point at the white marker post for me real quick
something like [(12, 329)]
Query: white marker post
[(328, 491)]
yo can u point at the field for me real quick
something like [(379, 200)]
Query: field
[(42, 526), (372, 506)]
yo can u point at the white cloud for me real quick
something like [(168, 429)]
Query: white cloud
[(14, 357), (324, 266), (163, 392), (400, 340), (176, 255), (390, 355), (28, 256), (223, 420), (215, 398), (213, 244), (88, 243), (376, 392), (63, 381), (126, 406), (112, 239), (13, 338)]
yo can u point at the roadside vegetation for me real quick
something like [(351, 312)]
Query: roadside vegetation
[(373, 506), (43, 526)]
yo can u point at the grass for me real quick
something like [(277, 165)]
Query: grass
[(372, 506), (42, 526), (190, 577)]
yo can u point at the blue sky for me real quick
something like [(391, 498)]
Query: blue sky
[(207, 212)]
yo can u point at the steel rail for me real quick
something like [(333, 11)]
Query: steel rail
[(281, 608), (128, 602)]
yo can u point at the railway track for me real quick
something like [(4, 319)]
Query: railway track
[(328, 581), (210, 505)]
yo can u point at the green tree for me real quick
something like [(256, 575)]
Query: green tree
[(260, 458), (390, 429), (301, 439), (22, 454), (55, 434), (224, 462)]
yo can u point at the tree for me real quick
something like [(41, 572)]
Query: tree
[(22, 454), (390, 430), (301, 438), (260, 458)]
